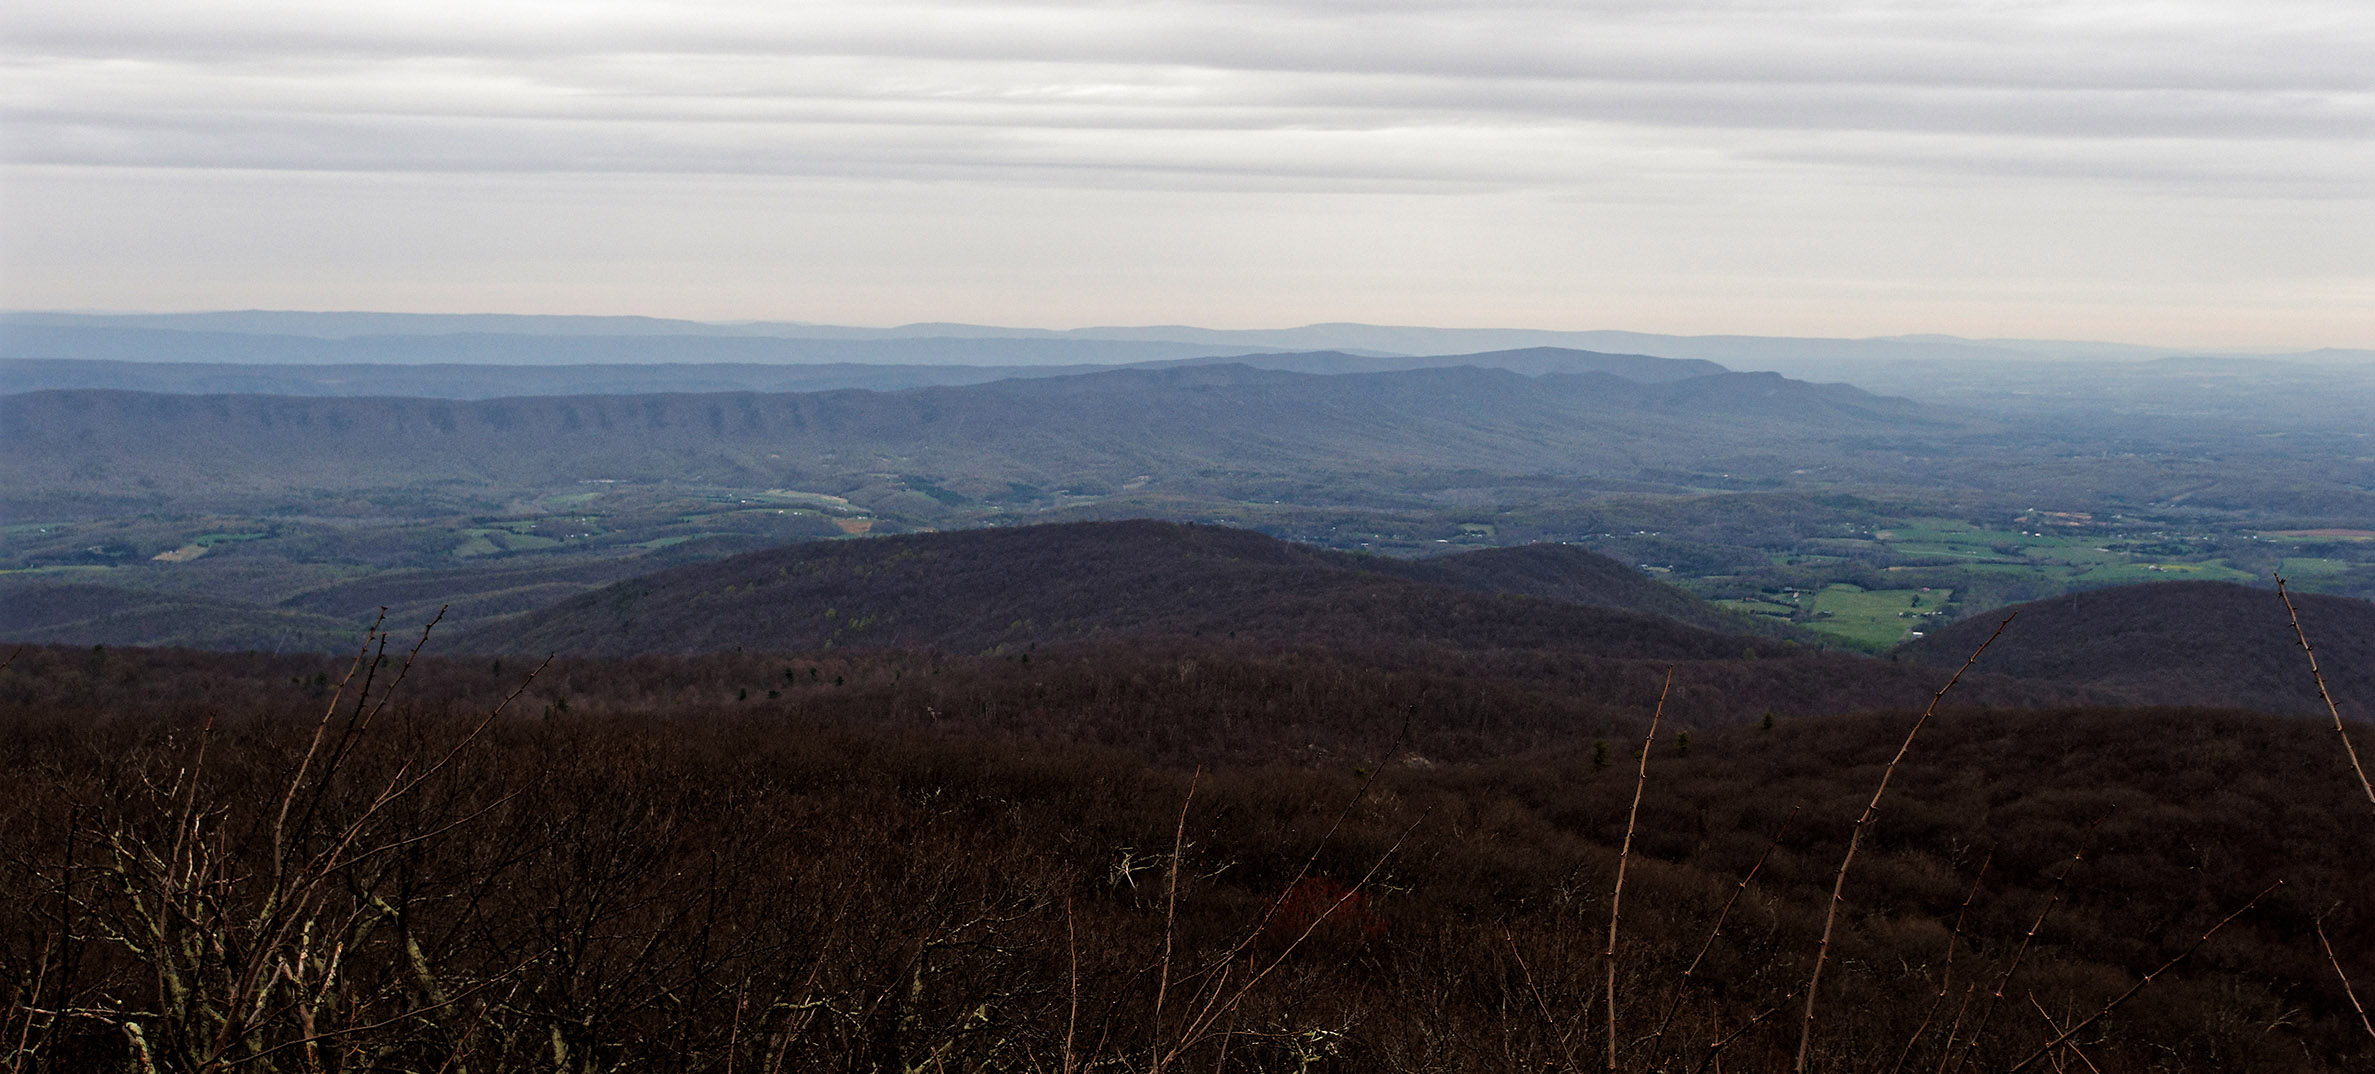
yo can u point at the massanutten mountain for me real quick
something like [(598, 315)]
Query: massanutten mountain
[(19, 340), (488, 381), (1755, 351), (26, 366), (977, 590), (2179, 643), (1531, 361), (1221, 426)]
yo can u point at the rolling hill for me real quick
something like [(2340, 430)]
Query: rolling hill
[(2191, 643), (1562, 573), (1531, 361), (37, 610), (979, 590)]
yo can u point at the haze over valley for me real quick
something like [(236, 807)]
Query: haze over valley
[(161, 473)]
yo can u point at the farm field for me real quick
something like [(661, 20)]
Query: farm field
[(2086, 553), (1861, 618), (1857, 584), (1872, 617)]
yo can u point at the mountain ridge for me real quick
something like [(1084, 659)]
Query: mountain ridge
[(2183, 642), (976, 590), (1222, 423)]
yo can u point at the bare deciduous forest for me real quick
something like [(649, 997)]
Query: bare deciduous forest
[(808, 863)]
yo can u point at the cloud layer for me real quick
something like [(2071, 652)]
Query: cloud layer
[(1714, 104), (2216, 97)]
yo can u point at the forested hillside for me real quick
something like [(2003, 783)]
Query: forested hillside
[(2190, 643), (1008, 587), (654, 862), (1209, 427)]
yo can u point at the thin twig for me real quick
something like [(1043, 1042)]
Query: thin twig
[(2322, 693), (1946, 975), (2123, 997), (365, 663), (1277, 901), (1954, 1029), (1219, 971), (1200, 1024), (1855, 839), (2053, 897), (2056, 1027), (417, 1012), (1728, 1038), (1170, 919), (1625, 853), (1072, 1018), (1656, 1039), (2338, 972), (1550, 1025)]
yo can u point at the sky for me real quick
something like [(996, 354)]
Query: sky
[(2178, 172)]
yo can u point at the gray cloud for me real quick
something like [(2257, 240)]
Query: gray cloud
[(1737, 120), (765, 88)]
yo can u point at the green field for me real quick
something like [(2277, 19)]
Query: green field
[(1878, 618), (2128, 573), (209, 540), (1847, 571), (2311, 566), (1865, 618), (2086, 554), (515, 536)]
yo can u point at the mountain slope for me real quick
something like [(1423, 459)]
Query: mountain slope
[(1563, 573), (2195, 643), (1531, 361), (492, 367), (19, 340), (1221, 427), (37, 610), (450, 380), (976, 590)]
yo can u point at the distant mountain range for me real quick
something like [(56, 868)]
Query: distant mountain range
[(448, 380), (1221, 425), (470, 380), (128, 344), (482, 356), (1784, 354)]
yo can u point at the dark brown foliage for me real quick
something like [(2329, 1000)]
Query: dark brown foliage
[(2199, 643), (646, 874), (974, 590)]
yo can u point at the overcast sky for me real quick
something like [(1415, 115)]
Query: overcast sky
[(2169, 171)]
